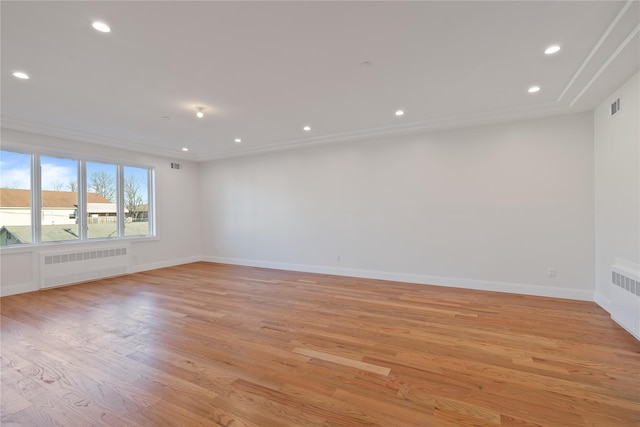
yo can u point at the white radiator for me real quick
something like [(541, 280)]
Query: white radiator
[(72, 266), (625, 298)]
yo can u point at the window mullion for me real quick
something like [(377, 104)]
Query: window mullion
[(151, 202), (36, 200), (82, 200), (120, 200)]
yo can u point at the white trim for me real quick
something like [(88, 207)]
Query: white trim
[(453, 282), (33, 248), (602, 301), (163, 264), (621, 324), (604, 36), (608, 62), (125, 159), (629, 268), (485, 118), (483, 285), (85, 137), (21, 288), (18, 288)]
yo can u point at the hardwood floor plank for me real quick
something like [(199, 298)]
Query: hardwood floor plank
[(343, 361), (209, 344), (390, 413)]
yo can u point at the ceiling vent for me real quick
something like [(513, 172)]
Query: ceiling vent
[(615, 107), (176, 165)]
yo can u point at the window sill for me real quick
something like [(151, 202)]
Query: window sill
[(24, 248)]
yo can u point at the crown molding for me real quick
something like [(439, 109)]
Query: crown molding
[(457, 122), (594, 51), (86, 137), (608, 62), (474, 119)]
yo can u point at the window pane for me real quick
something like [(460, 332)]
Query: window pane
[(15, 198), (102, 220), (136, 201), (59, 179)]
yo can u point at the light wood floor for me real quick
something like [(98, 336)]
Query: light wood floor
[(210, 344)]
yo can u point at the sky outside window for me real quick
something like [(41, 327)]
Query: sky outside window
[(15, 207), (15, 170)]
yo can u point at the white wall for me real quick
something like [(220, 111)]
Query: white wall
[(178, 209), (489, 207), (617, 187)]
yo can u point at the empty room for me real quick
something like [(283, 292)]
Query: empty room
[(320, 213)]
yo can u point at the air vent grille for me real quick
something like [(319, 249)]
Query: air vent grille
[(615, 107), (176, 165)]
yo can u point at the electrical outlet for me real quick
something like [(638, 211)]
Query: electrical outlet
[(338, 258), (552, 272)]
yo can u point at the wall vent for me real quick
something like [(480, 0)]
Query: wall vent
[(176, 165), (625, 298), (615, 107), (63, 268)]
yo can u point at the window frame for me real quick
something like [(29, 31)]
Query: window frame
[(36, 199)]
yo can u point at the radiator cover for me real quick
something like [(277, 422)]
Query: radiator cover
[(73, 266), (625, 298)]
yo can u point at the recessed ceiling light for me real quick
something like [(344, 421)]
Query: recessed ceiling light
[(101, 26), (21, 75), (306, 128), (534, 89), (399, 113), (552, 49), (200, 114), (237, 140), (185, 149)]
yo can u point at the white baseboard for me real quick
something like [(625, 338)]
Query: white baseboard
[(483, 285), (602, 301), (163, 264), (22, 288), (18, 288), (622, 325)]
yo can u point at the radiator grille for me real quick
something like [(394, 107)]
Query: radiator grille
[(626, 283), (625, 298), (62, 268)]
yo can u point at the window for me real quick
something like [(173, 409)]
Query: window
[(54, 199), (102, 202), (136, 201), (15, 198), (59, 201)]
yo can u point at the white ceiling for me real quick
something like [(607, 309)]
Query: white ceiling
[(263, 70)]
